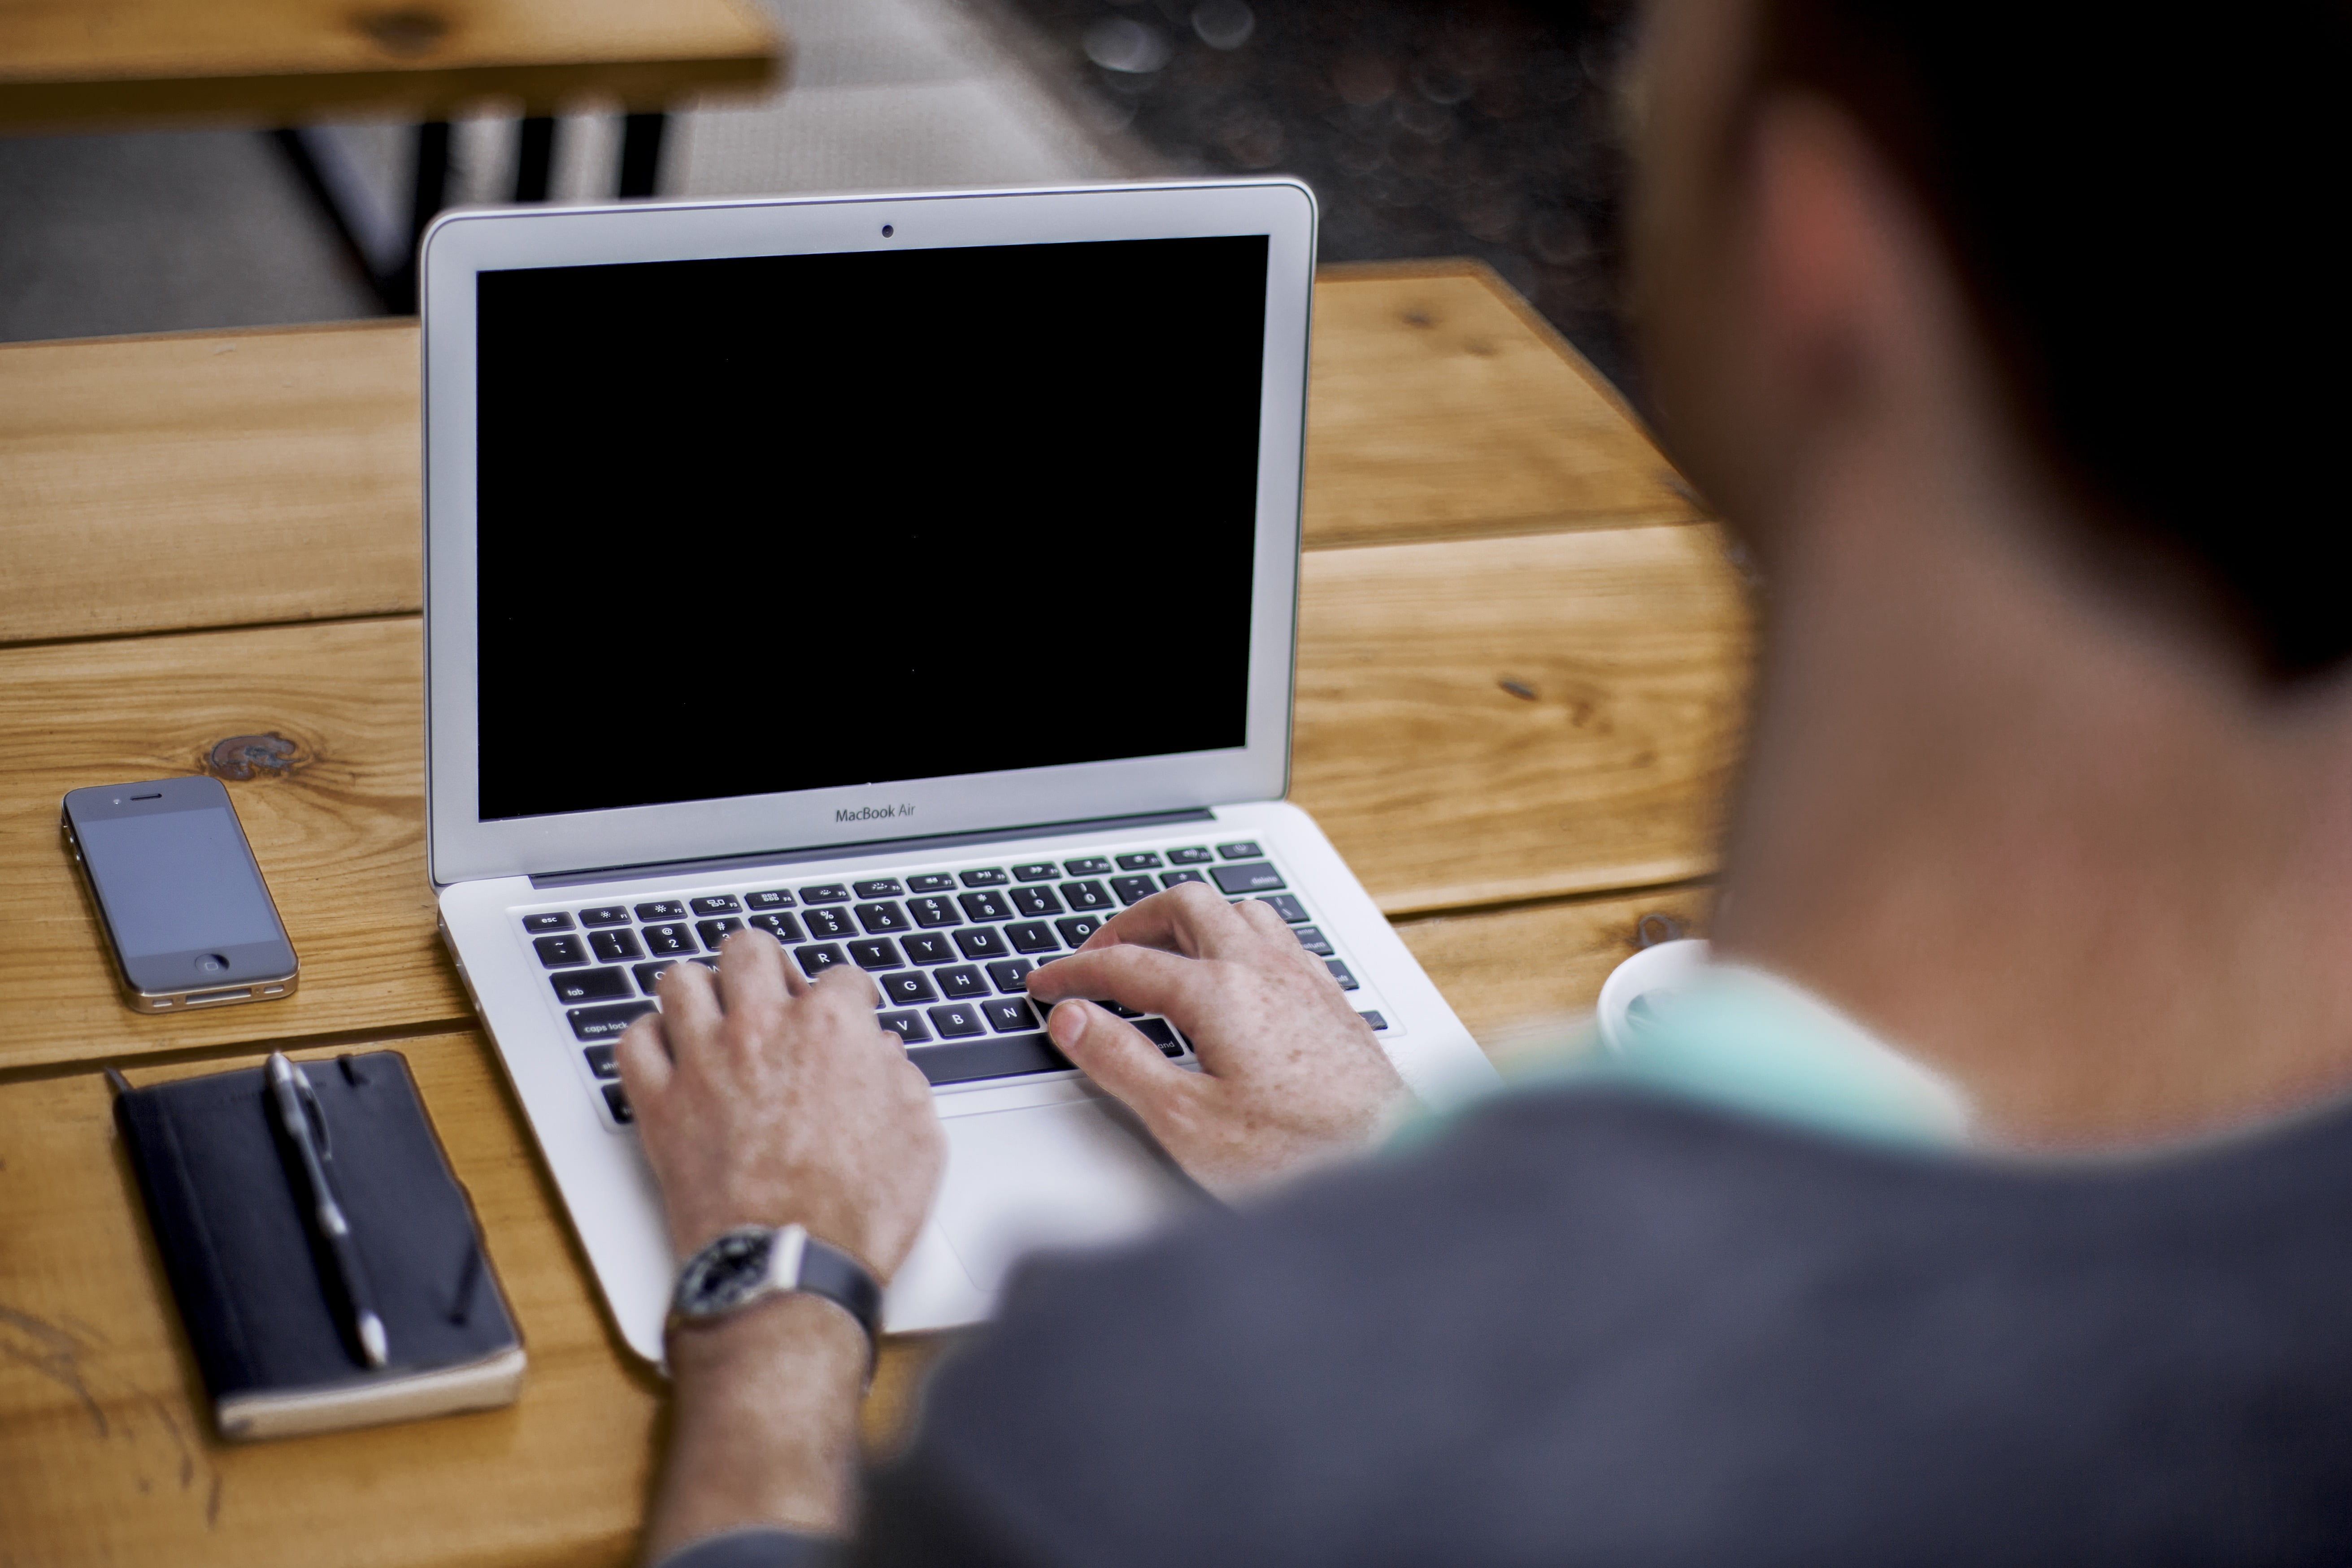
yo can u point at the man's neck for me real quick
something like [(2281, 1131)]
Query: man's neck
[(2074, 858)]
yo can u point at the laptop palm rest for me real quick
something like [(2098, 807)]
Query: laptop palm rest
[(1069, 1175)]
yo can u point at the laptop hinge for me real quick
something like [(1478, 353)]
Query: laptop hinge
[(1095, 825)]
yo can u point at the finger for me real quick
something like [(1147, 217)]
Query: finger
[(1260, 917), (689, 999), (1142, 977), (1117, 1056), (846, 992), (1187, 919), (643, 1058), (752, 974)]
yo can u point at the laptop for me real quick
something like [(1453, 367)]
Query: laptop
[(911, 577)]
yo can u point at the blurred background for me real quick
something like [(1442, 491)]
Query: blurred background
[(1482, 128)]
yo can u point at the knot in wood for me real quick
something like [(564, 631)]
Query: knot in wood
[(245, 756), (407, 32), (1656, 927)]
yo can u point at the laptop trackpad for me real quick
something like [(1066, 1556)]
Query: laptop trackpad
[(1048, 1176)]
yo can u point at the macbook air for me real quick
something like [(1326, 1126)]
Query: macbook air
[(911, 577)]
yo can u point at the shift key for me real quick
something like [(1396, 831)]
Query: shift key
[(1249, 877)]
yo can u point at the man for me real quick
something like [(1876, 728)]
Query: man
[(2050, 785)]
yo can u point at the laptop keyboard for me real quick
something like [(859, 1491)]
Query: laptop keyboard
[(946, 948)]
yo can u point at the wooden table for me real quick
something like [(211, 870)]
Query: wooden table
[(108, 64), (1521, 670)]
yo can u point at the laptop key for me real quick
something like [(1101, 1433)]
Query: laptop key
[(1035, 901), (1162, 1033), (981, 941), (988, 878), (1117, 1009), (881, 888), (1092, 866), (713, 932), (1032, 936), (666, 910), (829, 922), (1378, 1023), (984, 906), (1144, 861), (667, 938), (1009, 1015), (1085, 896), (1076, 931), (1339, 972), (606, 1023), (905, 988), (558, 921), (717, 904), (825, 893), (605, 915), (880, 919), (784, 928), (1287, 907), (874, 952), (1246, 850), (773, 899), (649, 974), (930, 884), (930, 913), (1132, 890), (927, 949), (556, 951), (1036, 871), (999, 1055), (590, 984), (815, 961), (956, 1021), (602, 1061), (617, 1103), (1194, 857), (1313, 941), (1170, 878), (1008, 973), (612, 947), (907, 1027), (962, 983), (1251, 876)]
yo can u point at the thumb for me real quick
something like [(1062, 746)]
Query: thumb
[(1116, 1055)]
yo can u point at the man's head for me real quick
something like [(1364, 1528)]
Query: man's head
[(2134, 216)]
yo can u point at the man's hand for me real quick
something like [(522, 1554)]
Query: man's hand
[(765, 1099), (1290, 1076)]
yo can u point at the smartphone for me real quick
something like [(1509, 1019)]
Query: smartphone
[(183, 903)]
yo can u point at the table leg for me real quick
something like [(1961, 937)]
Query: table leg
[(535, 159), (641, 141)]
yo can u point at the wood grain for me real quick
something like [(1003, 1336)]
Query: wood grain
[(1440, 404), (106, 1452), (238, 478), (1518, 976), (211, 480), (1445, 789), (71, 62), (340, 838)]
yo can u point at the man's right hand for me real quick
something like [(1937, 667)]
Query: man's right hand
[(1290, 1075)]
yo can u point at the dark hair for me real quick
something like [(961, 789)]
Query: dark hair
[(2143, 206)]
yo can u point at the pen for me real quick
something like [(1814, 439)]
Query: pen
[(291, 1094)]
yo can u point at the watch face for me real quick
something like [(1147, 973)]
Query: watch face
[(727, 1271)]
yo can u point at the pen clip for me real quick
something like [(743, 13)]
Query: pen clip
[(314, 1113)]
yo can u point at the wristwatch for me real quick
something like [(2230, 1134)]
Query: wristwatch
[(751, 1263)]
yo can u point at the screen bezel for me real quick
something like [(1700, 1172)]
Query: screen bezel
[(462, 846)]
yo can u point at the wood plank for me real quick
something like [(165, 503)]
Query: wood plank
[(341, 838), (208, 479), (238, 478), (1442, 788), (1445, 789), (68, 62), (1440, 404), (106, 1453), (1525, 977)]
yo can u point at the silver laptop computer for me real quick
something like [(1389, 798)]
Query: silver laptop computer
[(911, 577)]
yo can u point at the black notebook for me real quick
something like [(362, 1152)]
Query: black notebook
[(276, 1356)]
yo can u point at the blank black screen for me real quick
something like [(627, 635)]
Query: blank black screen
[(789, 523)]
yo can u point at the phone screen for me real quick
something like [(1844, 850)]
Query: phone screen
[(181, 897)]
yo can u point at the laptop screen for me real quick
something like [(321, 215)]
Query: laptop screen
[(791, 523)]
